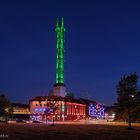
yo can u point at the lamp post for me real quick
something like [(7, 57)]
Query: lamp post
[(130, 100)]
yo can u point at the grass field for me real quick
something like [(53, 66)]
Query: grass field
[(67, 132)]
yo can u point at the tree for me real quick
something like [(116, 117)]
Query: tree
[(52, 105), (127, 100), (137, 107), (5, 106)]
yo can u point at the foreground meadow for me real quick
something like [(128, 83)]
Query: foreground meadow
[(23, 131)]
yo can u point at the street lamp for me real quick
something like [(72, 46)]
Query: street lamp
[(131, 98)]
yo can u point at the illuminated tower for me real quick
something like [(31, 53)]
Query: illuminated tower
[(59, 87), (60, 52)]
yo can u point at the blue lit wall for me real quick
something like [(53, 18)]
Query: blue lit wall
[(96, 111)]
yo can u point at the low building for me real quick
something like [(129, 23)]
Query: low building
[(94, 110), (55, 107), (20, 108)]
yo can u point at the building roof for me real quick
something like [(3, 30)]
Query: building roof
[(87, 101), (56, 98), (20, 105)]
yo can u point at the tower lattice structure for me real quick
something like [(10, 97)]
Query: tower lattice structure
[(60, 30)]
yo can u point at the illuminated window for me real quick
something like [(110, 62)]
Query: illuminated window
[(36, 110)]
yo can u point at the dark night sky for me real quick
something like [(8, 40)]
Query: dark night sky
[(102, 43)]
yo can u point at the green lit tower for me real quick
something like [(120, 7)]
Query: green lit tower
[(59, 88), (60, 30)]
